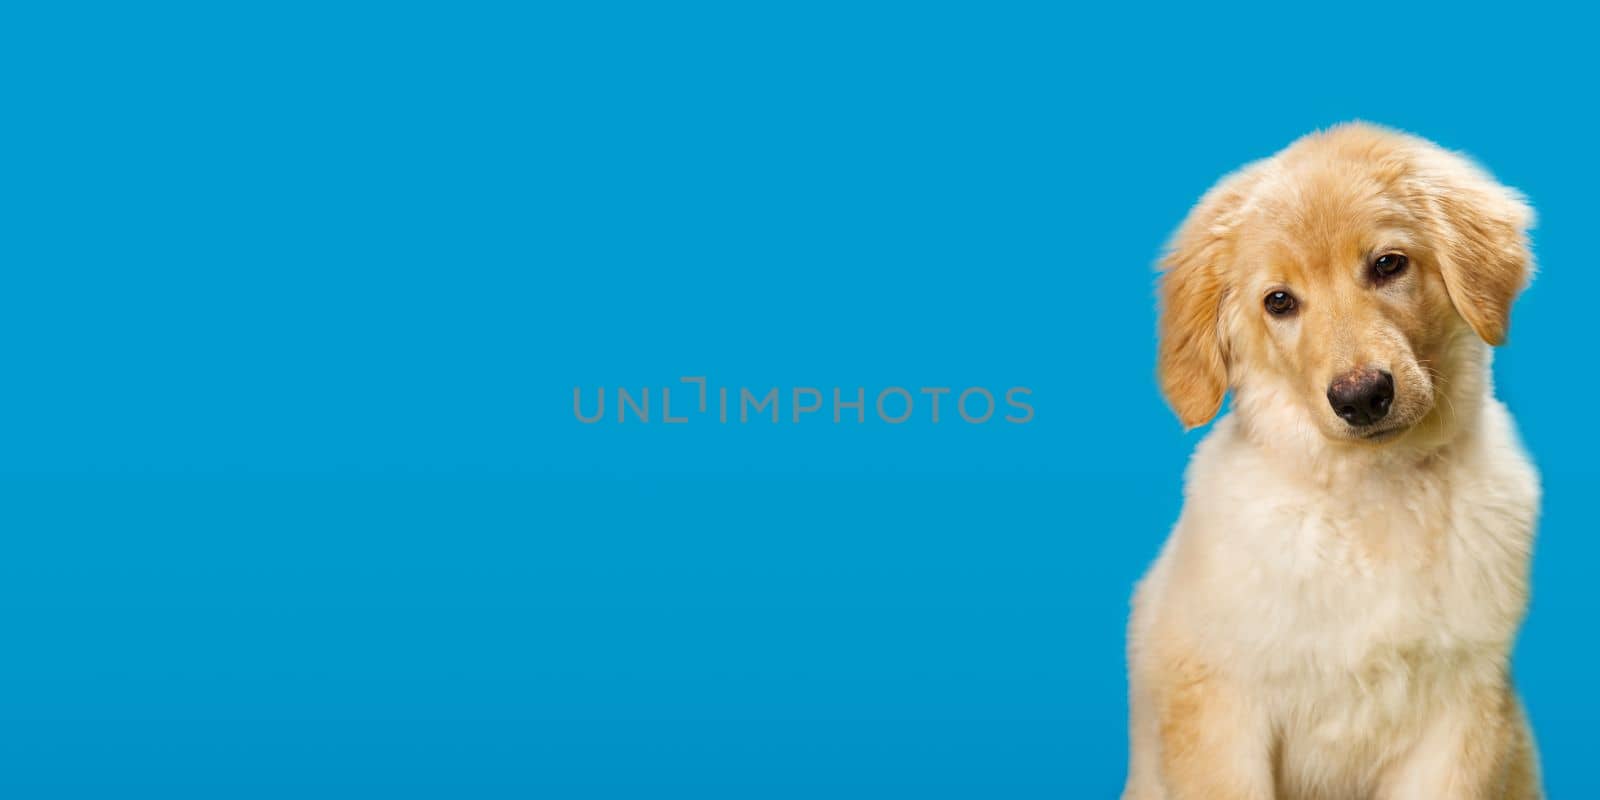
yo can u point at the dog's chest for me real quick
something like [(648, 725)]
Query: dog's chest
[(1364, 615), (1348, 607), (1379, 576)]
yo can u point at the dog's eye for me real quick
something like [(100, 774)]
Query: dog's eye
[(1389, 265), (1279, 303)]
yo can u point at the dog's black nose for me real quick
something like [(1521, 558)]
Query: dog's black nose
[(1362, 396)]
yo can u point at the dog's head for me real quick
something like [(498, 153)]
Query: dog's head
[(1337, 280)]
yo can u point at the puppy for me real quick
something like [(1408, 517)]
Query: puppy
[(1333, 615)]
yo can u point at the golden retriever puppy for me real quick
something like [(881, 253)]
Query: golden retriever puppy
[(1333, 614)]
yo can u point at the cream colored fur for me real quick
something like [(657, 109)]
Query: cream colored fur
[(1332, 617)]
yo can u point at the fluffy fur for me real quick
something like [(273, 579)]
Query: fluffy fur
[(1333, 615)]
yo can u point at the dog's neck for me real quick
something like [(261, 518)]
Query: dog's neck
[(1270, 419)]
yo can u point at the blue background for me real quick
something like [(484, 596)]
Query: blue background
[(293, 502)]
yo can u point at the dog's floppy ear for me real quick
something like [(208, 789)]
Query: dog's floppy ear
[(1193, 359), (1480, 232)]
